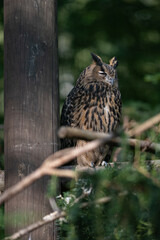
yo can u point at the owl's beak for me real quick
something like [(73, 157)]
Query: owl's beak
[(109, 80)]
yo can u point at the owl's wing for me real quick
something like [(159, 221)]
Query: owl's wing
[(75, 111), (67, 116)]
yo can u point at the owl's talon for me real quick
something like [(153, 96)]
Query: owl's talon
[(104, 164), (92, 165)]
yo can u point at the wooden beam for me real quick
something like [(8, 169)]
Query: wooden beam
[(31, 106)]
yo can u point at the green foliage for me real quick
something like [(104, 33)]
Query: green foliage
[(154, 78), (1, 223), (115, 203), (131, 210), (127, 29), (52, 186)]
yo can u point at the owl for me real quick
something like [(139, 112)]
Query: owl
[(93, 104)]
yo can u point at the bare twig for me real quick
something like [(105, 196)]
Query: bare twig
[(49, 165), (155, 162), (102, 200), (145, 173), (47, 219), (145, 145), (21, 185), (60, 172), (116, 154), (107, 138), (144, 126), (128, 124), (64, 156), (68, 132), (27, 181), (56, 215), (54, 205)]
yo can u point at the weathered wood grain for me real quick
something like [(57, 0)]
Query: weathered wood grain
[(31, 106)]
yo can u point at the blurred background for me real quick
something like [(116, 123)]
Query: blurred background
[(127, 29)]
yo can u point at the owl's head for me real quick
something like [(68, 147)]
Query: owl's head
[(105, 72)]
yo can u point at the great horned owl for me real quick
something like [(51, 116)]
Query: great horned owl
[(93, 104)]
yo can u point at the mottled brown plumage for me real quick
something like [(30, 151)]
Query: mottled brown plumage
[(94, 104)]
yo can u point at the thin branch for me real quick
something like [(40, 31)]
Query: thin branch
[(10, 192), (144, 145), (27, 181), (75, 152), (61, 173), (53, 161), (155, 162), (145, 173), (110, 139), (64, 156), (68, 132), (54, 205), (116, 154), (44, 169), (47, 219), (144, 126), (102, 200), (56, 215)]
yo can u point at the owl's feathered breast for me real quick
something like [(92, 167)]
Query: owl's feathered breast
[(94, 106)]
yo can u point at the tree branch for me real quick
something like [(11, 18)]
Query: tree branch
[(56, 215), (47, 219), (145, 173), (155, 162), (52, 162), (144, 126), (64, 156), (69, 132), (110, 139), (102, 200)]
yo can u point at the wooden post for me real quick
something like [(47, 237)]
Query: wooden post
[(31, 107)]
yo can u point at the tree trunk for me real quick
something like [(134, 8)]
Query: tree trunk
[(31, 107)]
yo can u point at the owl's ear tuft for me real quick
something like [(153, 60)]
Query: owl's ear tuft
[(113, 62), (96, 59)]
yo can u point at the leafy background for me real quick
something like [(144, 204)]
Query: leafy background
[(127, 29)]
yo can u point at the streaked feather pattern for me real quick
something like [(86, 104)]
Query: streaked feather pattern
[(93, 104)]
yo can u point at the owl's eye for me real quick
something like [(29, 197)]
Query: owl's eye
[(102, 73)]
